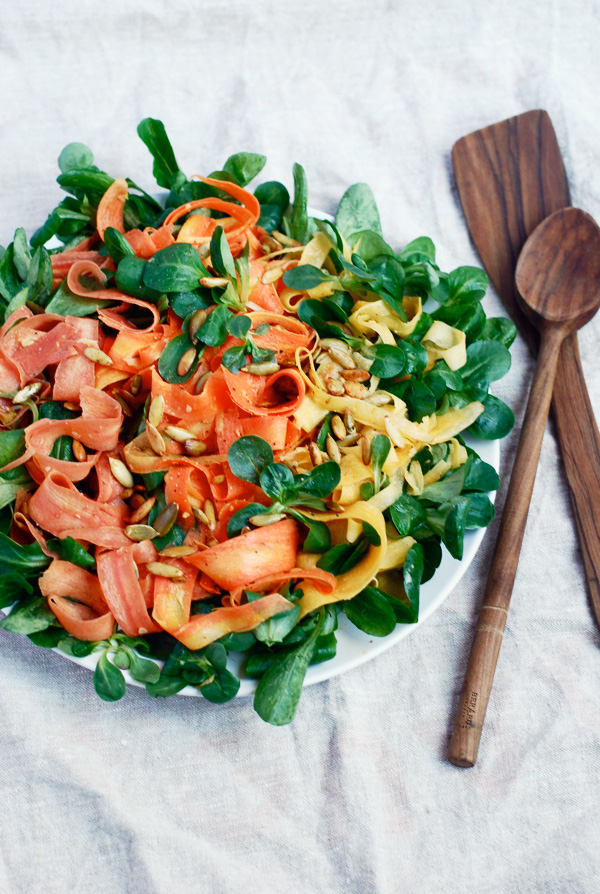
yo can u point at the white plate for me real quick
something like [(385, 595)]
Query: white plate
[(353, 646)]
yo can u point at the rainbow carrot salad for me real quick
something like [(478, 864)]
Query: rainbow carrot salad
[(223, 420)]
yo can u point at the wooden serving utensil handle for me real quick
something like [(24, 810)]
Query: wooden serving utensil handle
[(479, 675), (580, 446)]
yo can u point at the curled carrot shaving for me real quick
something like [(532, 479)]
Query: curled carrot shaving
[(110, 209)]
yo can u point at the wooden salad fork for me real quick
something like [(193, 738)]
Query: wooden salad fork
[(558, 277)]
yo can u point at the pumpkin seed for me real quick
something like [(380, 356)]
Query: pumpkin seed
[(135, 385), (342, 356), (365, 450), (157, 410), (166, 519), (262, 369), (356, 390), (97, 356), (79, 451), (140, 532), (338, 427), (380, 398), (209, 511), (142, 510), (355, 375), (123, 404), (186, 361), (181, 435), (200, 515), (272, 275), (201, 383), (213, 282), (315, 454), (263, 519), (120, 471), (155, 439), (197, 320), (26, 392), (162, 569), (349, 421), (176, 552), (194, 447), (335, 387), (333, 451)]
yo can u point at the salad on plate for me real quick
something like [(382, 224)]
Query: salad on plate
[(223, 420)]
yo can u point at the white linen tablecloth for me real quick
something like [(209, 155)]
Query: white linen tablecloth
[(356, 794)]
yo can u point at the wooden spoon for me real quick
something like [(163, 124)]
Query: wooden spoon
[(558, 277)]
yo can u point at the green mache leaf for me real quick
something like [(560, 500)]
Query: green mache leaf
[(220, 255), (479, 476), (130, 279), (357, 211), (432, 550), (499, 329), (380, 448), (420, 249), (12, 446), (85, 182), (275, 629), (186, 303), (142, 669), (275, 480), (407, 514), (109, 681), (371, 612), (320, 481), (19, 300), (117, 245), (21, 253), (75, 156), (389, 361), (447, 488), (165, 168), (412, 572), (248, 456), (47, 639), (10, 282), (238, 642), (170, 357), (222, 689), (369, 245), (496, 420), (234, 359), (239, 326), (213, 331), (343, 557), (244, 166), (467, 284), (13, 588), (480, 512), (306, 276), (71, 551), (29, 617), (166, 686), (26, 560), (176, 268), (39, 276), (318, 538), (278, 692), (65, 303), (487, 361), (299, 216), (273, 193)]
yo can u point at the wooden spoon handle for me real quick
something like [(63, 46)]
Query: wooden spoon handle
[(479, 675), (580, 447)]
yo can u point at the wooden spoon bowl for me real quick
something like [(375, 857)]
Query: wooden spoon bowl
[(558, 277), (558, 272)]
